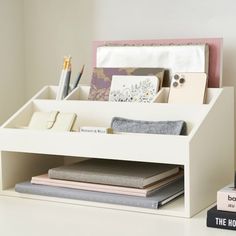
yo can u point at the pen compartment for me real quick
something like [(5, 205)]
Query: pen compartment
[(82, 93), (79, 93), (50, 93)]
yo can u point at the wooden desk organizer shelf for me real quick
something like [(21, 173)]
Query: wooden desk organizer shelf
[(206, 153)]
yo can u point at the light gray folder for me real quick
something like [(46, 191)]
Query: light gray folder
[(160, 197)]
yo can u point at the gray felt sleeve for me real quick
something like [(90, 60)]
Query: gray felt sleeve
[(178, 127)]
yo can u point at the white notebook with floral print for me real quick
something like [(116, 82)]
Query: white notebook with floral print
[(130, 88)]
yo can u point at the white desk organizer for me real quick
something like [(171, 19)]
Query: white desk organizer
[(207, 153)]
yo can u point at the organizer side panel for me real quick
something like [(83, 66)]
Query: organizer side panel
[(21, 117), (212, 153), (18, 167), (187, 185)]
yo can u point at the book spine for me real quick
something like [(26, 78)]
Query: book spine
[(221, 219), (226, 200)]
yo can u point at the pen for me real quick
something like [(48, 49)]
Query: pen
[(67, 81), (64, 79), (78, 79)]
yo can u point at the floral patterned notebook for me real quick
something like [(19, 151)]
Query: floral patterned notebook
[(102, 77), (133, 88)]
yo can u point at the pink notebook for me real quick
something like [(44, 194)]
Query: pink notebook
[(45, 180), (215, 53)]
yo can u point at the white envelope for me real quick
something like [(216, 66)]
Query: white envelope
[(175, 58)]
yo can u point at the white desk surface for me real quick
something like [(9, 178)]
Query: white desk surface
[(26, 217)]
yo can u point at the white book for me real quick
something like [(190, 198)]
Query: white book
[(226, 199)]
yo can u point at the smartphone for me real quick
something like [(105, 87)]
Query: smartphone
[(188, 88)]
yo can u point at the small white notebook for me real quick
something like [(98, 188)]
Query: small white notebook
[(129, 88)]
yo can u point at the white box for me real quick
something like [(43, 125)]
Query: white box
[(206, 153)]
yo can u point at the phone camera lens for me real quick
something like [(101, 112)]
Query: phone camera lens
[(176, 77), (175, 84)]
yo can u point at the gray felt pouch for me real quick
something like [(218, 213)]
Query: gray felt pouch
[(178, 127)]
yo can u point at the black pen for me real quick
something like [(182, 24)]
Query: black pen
[(78, 79)]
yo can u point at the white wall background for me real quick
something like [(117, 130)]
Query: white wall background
[(55, 28), (51, 29), (12, 85), (36, 34)]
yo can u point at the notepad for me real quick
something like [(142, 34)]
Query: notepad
[(133, 88)]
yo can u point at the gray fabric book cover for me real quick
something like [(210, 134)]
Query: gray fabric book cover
[(154, 201), (113, 172)]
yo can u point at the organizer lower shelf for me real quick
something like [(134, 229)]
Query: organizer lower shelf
[(174, 208), (39, 164)]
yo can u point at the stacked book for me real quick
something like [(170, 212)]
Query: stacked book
[(140, 184), (223, 215)]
